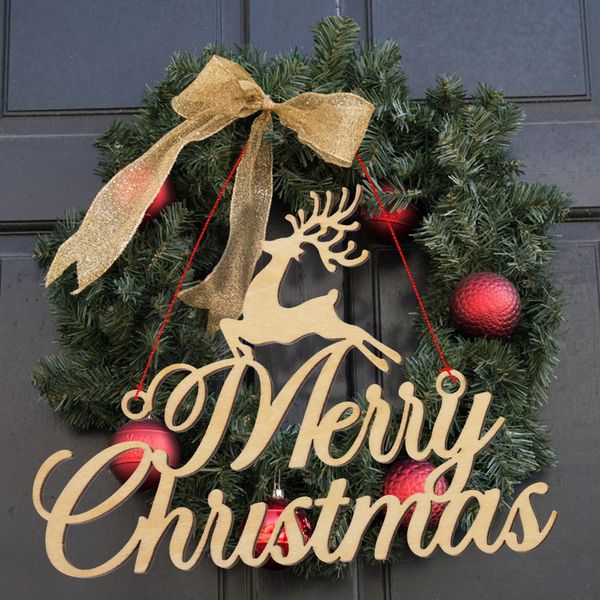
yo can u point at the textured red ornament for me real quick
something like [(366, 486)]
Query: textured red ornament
[(486, 305), (407, 477), (403, 222), (166, 195), (275, 505), (151, 432)]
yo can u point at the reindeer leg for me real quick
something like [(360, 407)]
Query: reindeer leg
[(361, 338), (386, 350), (354, 334), (237, 347), (380, 363)]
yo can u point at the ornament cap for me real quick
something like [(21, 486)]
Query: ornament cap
[(277, 491)]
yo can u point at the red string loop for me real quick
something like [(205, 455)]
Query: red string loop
[(447, 368)]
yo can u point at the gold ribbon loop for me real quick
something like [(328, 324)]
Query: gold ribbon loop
[(332, 125)]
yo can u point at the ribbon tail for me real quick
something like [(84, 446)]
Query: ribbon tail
[(118, 209), (223, 291)]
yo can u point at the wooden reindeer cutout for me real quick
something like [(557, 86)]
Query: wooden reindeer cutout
[(265, 321)]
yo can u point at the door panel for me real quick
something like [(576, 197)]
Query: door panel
[(546, 56), (31, 433), (573, 418), (92, 44), (57, 184), (565, 153), (63, 64)]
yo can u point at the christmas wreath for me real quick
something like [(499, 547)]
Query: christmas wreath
[(485, 233)]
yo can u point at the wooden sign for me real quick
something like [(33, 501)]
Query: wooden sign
[(265, 321)]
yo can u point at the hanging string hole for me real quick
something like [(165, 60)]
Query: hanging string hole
[(449, 371), (140, 400), (451, 382)]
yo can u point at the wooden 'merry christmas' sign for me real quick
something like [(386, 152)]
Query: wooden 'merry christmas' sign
[(265, 321)]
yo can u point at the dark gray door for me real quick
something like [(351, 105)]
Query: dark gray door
[(69, 66)]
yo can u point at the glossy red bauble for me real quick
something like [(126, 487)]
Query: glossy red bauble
[(407, 477), (486, 305), (151, 432), (275, 505), (403, 223), (166, 195)]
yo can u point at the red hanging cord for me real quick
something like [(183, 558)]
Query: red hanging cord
[(187, 267), (447, 368)]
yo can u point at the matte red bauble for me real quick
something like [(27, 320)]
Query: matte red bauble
[(407, 477), (275, 505), (486, 305), (166, 195), (403, 222), (151, 432)]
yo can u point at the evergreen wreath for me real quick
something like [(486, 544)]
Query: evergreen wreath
[(447, 154)]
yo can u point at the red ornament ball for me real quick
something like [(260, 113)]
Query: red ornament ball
[(275, 506), (407, 477), (486, 305), (403, 222), (166, 195), (151, 432)]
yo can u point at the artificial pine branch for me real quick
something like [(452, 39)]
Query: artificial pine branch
[(446, 154)]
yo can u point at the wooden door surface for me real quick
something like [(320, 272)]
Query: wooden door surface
[(70, 66)]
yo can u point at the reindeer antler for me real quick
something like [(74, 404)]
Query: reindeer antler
[(325, 219)]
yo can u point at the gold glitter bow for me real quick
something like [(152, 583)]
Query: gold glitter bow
[(333, 125)]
